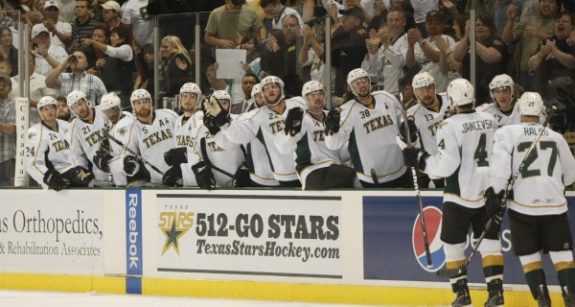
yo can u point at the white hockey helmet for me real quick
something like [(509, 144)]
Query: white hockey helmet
[(499, 81), (257, 89), (46, 101), (311, 86), (191, 87), (273, 79), (460, 92), (140, 94), (356, 74), (76, 96), (530, 103), (109, 101), (221, 95), (422, 79)]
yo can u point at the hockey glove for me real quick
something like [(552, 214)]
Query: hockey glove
[(176, 156), (332, 122), (210, 123), (412, 131), (242, 177), (495, 205), (204, 176), (54, 180), (293, 121), (415, 157), (102, 158), (79, 176), (131, 165), (214, 111), (173, 177)]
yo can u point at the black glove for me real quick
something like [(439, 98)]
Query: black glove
[(103, 157), (173, 177), (293, 121), (131, 165), (495, 205), (176, 156), (242, 177), (54, 180), (412, 131), (332, 122), (204, 176), (210, 123), (79, 176), (415, 157), (214, 112)]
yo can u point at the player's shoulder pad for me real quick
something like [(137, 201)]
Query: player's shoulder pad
[(486, 107), (168, 112), (296, 101), (34, 131)]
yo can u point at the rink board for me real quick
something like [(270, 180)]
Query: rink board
[(356, 247)]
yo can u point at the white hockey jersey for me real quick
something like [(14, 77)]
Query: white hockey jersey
[(372, 135), (540, 188), (427, 121), (464, 142), (184, 131), (47, 149), (501, 118), (264, 124), (311, 153), (152, 141), (86, 139)]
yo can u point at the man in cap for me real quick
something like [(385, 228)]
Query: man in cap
[(7, 133), (112, 17), (60, 32), (47, 55)]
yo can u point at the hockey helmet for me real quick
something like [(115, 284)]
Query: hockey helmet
[(273, 79), (530, 103), (257, 89), (460, 92), (311, 86), (221, 95), (422, 79), (109, 101), (46, 101), (356, 74), (499, 81), (190, 87)]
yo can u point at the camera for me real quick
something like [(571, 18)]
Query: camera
[(72, 59)]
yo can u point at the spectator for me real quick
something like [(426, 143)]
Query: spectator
[(491, 56), (7, 50), (47, 55), (420, 11), (7, 133), (118, 68), (348, 45), (386, 63), (176, 68), (38, 90), (248, 82), (111, 17), (6, 21), (134, 14), (426, 53), (312, 53), (145, 71), (555, 57), (278, 12), (279, 56), (63, 109), (78, 79), (5, 68), (60, 32), (253, 59), (83, 26), (230, 23), (94, 56), (527, 34)]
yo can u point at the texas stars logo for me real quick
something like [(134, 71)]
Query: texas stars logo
[(174, 225)]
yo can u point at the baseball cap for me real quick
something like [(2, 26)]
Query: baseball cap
[(435, 15), (51, 3), (111, 5), (356, 12), (37, 29)]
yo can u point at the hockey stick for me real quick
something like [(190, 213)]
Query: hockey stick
[(418, 195), (207, 159), (508, 188), (135, 154)]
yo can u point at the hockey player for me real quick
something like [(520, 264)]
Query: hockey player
[(369, 125), (87, 130), (427, 116), (185, 128), (537, 207), (263, 124), (464, 141), (319, 168), (151, 136), (504, 107), (109, 157), (48, 149)]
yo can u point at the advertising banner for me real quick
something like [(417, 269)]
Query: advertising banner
[(394, 249), (288, 236), (63, 235)]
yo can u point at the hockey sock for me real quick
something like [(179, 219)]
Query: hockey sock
[(534, 279)]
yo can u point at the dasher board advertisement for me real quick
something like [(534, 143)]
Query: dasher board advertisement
[(54, 233), (289, 236)]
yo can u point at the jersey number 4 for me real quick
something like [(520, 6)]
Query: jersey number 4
[(480, 154), (544, 145)]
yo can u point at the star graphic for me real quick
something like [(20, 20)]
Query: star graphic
[(172, 236)]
